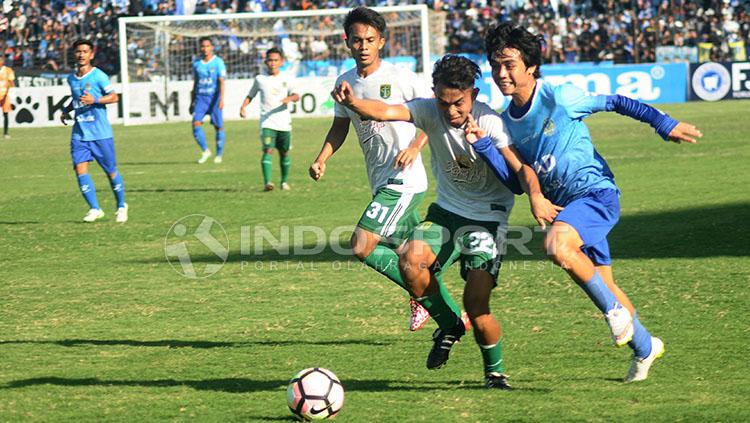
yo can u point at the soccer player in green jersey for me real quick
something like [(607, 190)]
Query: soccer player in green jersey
[(392, 156), (276, 92), (469, 220)]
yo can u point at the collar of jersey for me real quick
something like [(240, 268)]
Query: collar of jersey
[(537, 88)]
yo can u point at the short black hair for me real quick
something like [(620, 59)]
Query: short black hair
[(83, 42), (365, 16), (202, 39), (455, 71), (275, 50), (508, 35)]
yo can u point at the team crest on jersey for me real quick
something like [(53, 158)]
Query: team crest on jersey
[(549, 127), (385, 90), (87, 88), (463, 170)]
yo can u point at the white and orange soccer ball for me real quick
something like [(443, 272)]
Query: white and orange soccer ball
[(315, 394)]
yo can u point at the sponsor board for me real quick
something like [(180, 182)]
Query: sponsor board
[(714, 81)]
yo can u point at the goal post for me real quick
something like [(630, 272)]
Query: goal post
[(156, 52)]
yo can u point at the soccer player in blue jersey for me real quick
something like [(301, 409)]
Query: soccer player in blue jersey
[(209, 73), (547, 129), (92, 133)]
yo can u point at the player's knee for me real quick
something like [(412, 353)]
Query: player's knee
[(559, 248), (476, 305), (360, 247), (268, 151), (197, 124), (411, 261)]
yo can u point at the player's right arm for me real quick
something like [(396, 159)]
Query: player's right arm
[(250, 95), (370, 109), (334, 140)]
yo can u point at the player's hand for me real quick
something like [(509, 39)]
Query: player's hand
[(543, 210), (472, 131), (343, 94), (87, 99), (242, 112), (317, 170), (64, 117), (221, 104), (684, 132), (191, 109), (405, 158)]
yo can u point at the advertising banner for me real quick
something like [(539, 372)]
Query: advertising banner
[(718, 81)]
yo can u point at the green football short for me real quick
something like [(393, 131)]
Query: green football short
[(392, 215), (271, 138), (453, 237)]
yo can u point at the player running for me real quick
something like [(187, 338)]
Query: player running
[(7, 81), (92, 134), (392, 157), (209, 73), (546, 123), (470, 217), (276, 92)]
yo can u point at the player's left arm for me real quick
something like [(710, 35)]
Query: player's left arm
[(221, 93), (503, 158), (668, 128), (579, 104), (108, 96), (406, 157)]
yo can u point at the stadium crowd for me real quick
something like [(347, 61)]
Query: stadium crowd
[(37, 34)]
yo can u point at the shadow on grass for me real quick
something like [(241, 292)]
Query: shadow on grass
[(159, 190), (20, 222), (687, 233), (243, 385), (172, 343)]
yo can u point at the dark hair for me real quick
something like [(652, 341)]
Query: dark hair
[(83, 42), (202, 39), (507, 35), (365, 16), (274, 50), (454, 71)]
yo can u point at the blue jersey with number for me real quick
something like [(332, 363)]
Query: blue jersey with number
[(553, 139), (207, 75), (91, 120)]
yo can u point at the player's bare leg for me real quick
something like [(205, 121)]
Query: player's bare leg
[(385, 261), (487, 330), (563, 245), (416, 265)]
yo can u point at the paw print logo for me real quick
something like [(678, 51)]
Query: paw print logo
[(24, 115)]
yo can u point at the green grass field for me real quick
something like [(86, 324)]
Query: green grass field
[(96, 324)]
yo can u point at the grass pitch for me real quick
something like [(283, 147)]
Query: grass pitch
[(96, 324)]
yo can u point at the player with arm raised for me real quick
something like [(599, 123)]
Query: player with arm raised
[(394, 165), (546, 123), (276, 92), (209, 73), (92, 134), (470, 216)]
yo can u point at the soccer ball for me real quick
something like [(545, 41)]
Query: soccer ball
[(315, 394)]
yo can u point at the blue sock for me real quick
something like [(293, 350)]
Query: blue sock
[(118, 188), (641, 343), (220, 142), (600, 293), (86, 184), (200, 137)]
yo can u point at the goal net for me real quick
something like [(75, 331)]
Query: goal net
[(156, 53)]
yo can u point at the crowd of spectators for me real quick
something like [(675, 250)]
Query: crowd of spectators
[(37, 34)]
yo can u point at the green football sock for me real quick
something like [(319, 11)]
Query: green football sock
[(441, 307), (492, 356), (385, 261), (286, 163), (266, 164)]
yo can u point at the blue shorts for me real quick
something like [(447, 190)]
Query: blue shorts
[(103, 151), (593, 216), (208, 105)]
